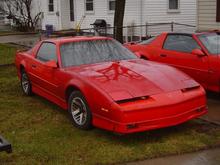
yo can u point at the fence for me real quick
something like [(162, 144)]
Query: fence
[(140, 32)]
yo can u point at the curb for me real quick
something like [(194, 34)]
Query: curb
[(210, 121), (14, 34), (6, 65)]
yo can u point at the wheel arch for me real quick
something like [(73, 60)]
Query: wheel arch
[(70, 88), (21, 67), (144, 57)]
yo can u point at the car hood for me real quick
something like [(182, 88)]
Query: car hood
[(134, 78)]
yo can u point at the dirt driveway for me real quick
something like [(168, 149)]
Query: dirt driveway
[(214, 107), (28, 40)]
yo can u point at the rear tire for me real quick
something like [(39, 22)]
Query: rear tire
[(79, 111), (25, 83)]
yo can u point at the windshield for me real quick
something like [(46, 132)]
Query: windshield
[(211, 41), (93, 51)]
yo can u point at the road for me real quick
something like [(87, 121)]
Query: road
[(28, 40), (208, 157)]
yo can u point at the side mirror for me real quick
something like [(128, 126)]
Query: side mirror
[(198, 52), (138, 54), (51, 64)]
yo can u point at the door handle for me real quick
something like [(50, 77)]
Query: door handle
[(34, 66), (163, 55)]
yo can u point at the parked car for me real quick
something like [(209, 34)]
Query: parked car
[(196, 54), (102, 83)]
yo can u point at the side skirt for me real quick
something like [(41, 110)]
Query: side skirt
[(49, 96)]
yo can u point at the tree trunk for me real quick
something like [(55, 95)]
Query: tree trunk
[(118, 19)]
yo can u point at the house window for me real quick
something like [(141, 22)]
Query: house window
[(89, 6), (218, 11), (173, 5), (51, 5), (111, 5)]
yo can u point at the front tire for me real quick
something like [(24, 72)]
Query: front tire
[(79, 111), (25, 83)]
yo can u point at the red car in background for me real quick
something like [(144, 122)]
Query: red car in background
[(197, 54), (102, 83)]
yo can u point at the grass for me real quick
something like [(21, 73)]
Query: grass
[(7, 54), (41, 133)]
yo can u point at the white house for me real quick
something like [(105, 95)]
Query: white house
[(66, 14), (208, 15)]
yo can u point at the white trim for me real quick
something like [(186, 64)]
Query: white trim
[(60, 23)]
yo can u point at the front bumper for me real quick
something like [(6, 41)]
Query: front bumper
[(159, 112), (160, 122)]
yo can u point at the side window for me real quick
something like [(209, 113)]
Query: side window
[(148, 41), (181, 43), (47, 52)]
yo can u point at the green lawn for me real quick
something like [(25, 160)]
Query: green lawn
[(7, 54), (41, 133)]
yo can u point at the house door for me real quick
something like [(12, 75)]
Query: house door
[(72, 13)]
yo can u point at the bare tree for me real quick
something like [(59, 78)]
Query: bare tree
[(118, 19), (20, 11)]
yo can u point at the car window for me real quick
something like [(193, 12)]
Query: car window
[(212, 42), (181, 43), (47, 52), (148, 41)]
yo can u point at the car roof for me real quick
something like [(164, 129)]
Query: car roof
[(196, 33), (61, 40)]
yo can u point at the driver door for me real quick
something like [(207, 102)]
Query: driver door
[(177, 51), (42, 76)]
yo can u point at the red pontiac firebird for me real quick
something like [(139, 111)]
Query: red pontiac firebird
[(198, 55), (102, 83)]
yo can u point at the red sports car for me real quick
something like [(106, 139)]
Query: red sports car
[(197, 54), (102, 83)]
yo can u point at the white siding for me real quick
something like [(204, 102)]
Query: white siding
[(51, 18), (153, 11), (156, 11), (207, 15), (101, 12)]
